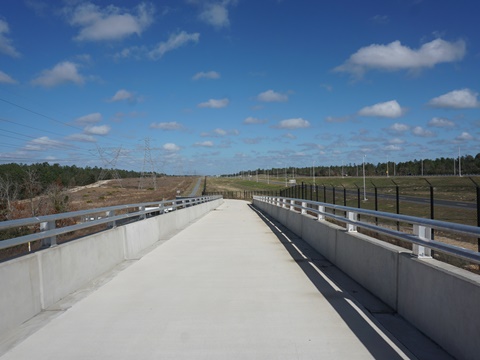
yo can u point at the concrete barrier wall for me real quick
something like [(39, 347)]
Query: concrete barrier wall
[(36, 281), (439, 299)]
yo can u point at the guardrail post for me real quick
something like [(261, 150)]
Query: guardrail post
[(321, 209), (304, 205), (424, 233), (142, 216), (292, 205), (49, 241), (112, 224), (353, 216)]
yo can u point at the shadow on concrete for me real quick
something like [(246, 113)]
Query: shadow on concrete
[(364, 314)]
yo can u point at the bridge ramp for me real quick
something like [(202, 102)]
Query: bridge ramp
[(224, 288)]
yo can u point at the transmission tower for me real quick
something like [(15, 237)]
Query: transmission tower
[(148, 163), (109, 158)]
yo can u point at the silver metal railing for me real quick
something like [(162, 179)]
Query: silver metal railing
[(93, 217), (422, 243)]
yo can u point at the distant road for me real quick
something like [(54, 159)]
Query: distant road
[(195, 189)]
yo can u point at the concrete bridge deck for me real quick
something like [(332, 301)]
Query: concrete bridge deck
[(226, 287)]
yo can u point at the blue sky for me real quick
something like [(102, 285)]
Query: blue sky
[(219, 86)]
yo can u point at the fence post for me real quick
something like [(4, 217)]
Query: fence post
[(51, 240), (432, 205), (316, 193), (303, 191), (324, 194), (397, 202), (376, 201), (478, 209), (333, 197)]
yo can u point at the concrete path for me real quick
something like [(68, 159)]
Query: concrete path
[(224, 288)]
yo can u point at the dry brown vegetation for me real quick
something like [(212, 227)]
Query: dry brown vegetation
[(126, 191), (100, 194)]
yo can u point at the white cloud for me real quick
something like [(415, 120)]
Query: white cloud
[(174, 41), (395, 56), (464, 136), (398, 128), (43, 143), (337, 119), (252, 141), (6, 79), (97, 130), (214, 103), (204, 144), (206, 75), (440, 122), (251, 120), (89, 119), (123, 95), (81, 138), (216, 14), (63, 72), (393, 148), (380, 19), (171, 147), (419, 131), (220, 132), (389, 109), (173, 125), (396, 141), (293, 124), (272, 96), (456, 99), (6, 46), (109, 23), (290, 136)]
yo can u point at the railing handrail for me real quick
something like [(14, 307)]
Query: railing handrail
[(417, 239), (49, 232)]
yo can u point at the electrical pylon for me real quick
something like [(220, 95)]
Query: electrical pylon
[(148, 162), (109, 158)]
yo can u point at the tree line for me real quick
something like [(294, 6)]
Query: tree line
[(423, 167), (22, 182)]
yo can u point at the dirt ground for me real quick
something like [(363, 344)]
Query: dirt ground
[(126, 191)]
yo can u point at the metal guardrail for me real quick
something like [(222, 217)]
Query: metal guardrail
[(89, 218), (422, 228)]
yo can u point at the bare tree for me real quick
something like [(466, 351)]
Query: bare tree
[(8, 194), (57, 200), (32, 188)]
